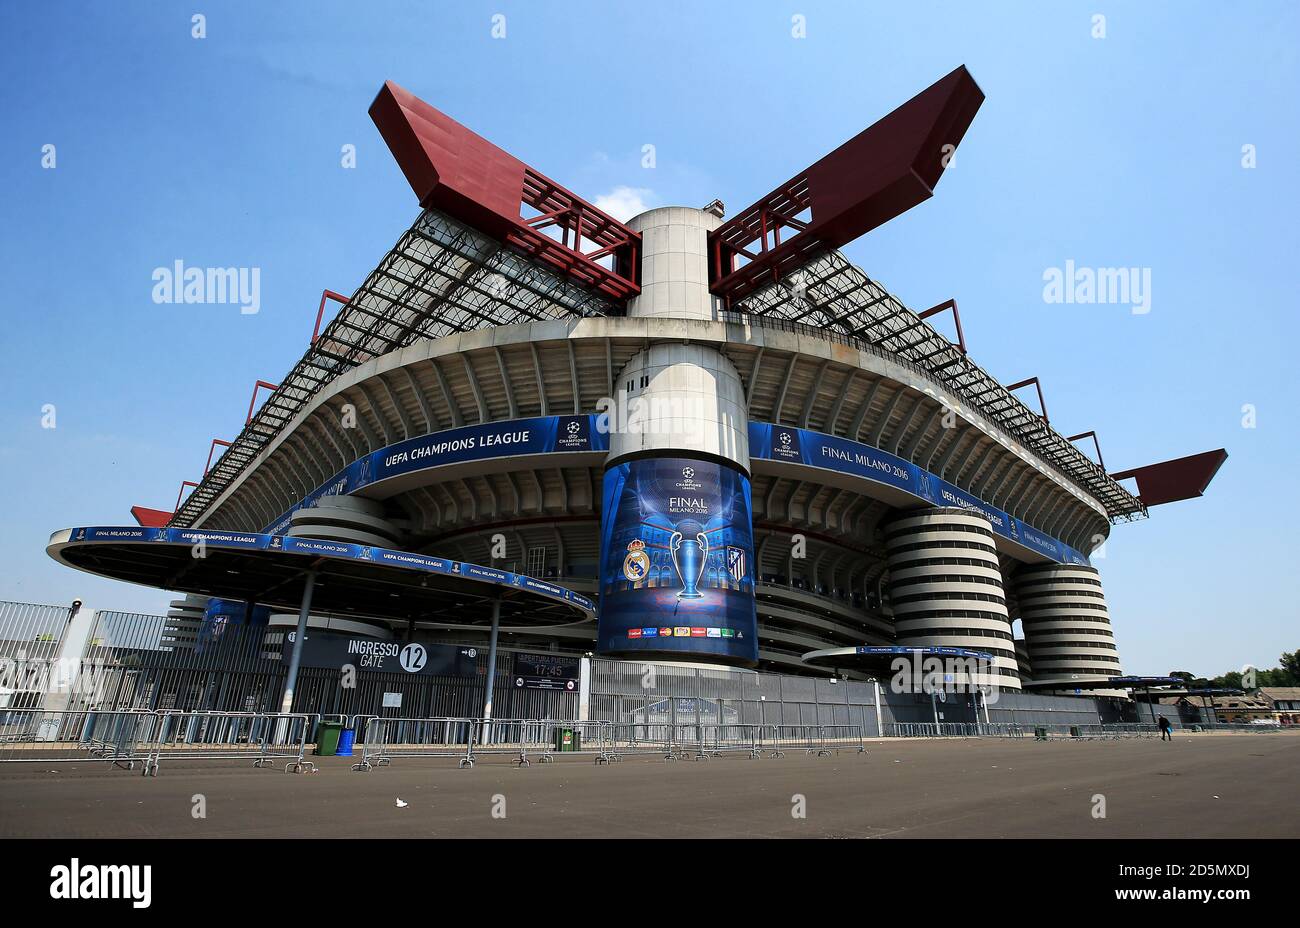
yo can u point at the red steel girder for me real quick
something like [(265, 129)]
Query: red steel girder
[(1179, 479), (211, 448), (253, 400), (184, 484), (956, 318), (150, 518), (1096, 443), (878, 174), (320, 312), (1042, 403), (462, 174)]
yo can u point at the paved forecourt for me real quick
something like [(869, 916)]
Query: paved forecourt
[(1196, 786)]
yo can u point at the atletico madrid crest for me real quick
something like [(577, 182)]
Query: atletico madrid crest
[(736, 563)]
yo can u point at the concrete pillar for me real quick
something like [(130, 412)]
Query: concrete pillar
[(349, 519), (674, 264), (295, 658), (1067, 625), (677, 553), (492, 665), (945, 588)]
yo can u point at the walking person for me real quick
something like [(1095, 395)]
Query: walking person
[(1166, 729)]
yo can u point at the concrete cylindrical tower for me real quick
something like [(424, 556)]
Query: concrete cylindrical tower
[(677, 551), (350, 519), (945, 587), (675, 264), (681, 398), (1023, 662), (1066, 624)]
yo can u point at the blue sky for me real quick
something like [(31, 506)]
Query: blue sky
[(1122, 151)]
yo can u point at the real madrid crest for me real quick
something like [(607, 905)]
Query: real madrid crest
[(637, 563)]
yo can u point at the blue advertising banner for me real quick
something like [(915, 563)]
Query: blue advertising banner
[(677, 560), (538, 435), (800, 446)]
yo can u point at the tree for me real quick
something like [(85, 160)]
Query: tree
[(1288, 674)]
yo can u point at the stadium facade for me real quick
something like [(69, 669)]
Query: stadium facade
[(734, 444)]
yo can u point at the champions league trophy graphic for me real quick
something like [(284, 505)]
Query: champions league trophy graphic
[(690, 550)]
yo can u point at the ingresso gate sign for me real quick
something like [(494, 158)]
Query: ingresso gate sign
[(325, 649)]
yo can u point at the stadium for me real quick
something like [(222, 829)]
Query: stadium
[(536, 437)]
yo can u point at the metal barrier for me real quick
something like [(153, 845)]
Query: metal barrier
[(1110, 731), (1237, 728), (51, 736), (512, 737), (127, 736), (469, 739), (262, 737), (1002, 730), (714, 740), (843, 738), (647, 738), (932, 729), (387, 738), (818, 740)]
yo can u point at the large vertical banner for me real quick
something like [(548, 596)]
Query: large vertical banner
[(677, 560)]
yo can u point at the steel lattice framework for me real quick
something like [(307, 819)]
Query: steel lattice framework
[(498, 243), (829, 293), (441, 277)]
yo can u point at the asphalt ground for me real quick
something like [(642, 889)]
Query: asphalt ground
[(1197, 786)]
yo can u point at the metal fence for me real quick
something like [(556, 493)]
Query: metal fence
[(31, 637), (127, 737), (262, 737), (468, 740), (132, 661)]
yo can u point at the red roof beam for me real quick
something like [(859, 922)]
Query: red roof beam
[(181, 492), (212, 448), (880, 173), (454, 170), (252, 402), (1042, 403), (320, 312), (956, 318), (150, 518), (1176, 480), (1095, 443)]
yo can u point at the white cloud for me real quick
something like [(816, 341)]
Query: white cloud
[(624, 202)]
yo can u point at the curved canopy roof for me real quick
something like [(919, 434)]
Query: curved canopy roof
[(350, 579)]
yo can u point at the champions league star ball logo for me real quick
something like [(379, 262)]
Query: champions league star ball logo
[(574, 428), (636, 566), (784, 439)]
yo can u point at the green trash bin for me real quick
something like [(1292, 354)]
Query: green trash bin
[(327, 738), (567, 739), (1040, 733)]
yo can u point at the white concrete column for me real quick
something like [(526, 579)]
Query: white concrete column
[(1067, 625), (675, 398), (945, 587), (674, 264)]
